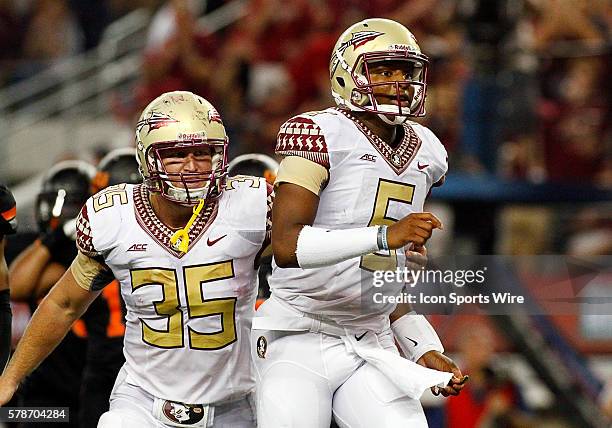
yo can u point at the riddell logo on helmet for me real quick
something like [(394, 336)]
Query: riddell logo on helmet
[(419, 93), (400, 48), (192, 136)]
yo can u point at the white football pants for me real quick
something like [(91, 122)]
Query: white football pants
[(132, 407), (304, 378)]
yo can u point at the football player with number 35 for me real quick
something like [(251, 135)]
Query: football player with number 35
[(349, 200), (184, 246)]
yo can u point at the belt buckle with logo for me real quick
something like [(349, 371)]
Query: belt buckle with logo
[(182, 414)]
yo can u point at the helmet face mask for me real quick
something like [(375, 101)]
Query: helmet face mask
[(181, 124), (409, 91), (186, 188), (370, 43)]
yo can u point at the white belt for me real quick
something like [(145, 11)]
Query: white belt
[(411, 379), (188, 415), (297, 323)]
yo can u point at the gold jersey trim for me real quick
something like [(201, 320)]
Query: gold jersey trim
[(302, 172), (88, 273)]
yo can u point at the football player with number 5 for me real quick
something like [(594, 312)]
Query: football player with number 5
[(184, 246), (349, 195)]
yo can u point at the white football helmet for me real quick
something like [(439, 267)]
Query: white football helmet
[(181, 120), (373, 41)]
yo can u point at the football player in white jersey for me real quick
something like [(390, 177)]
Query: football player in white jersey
[(349, 200), (184, 246)]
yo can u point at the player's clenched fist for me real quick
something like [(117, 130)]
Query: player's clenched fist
[(414, 228)]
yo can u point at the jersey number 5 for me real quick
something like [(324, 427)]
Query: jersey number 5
[(387, 192), (197, 306), (106, 198)]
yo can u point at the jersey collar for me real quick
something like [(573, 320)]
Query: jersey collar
[(161, 233)]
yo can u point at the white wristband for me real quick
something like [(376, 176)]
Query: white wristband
[(318, 247), (415, 336)]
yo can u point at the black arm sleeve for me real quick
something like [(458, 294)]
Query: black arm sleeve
[(6, 318)]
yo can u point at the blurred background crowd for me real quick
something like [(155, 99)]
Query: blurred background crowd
[(518, 92), (519, 88)]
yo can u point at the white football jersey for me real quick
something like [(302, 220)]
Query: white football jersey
[(370, 183), (188, 315)]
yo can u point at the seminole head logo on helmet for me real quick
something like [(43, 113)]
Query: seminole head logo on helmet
[(362, 47), (175, 124), (214, 116), (357, 39)]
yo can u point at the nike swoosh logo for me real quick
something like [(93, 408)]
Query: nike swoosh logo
[(358, 338), (214, 241), (413, 341), (419, 166)]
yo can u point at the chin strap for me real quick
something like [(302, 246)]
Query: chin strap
[(397, 120), (180, 239)]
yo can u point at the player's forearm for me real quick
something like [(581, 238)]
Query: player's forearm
[(414, 334), (26, 269), (400, 310), (318, 247), (48, 326), (284, 245)]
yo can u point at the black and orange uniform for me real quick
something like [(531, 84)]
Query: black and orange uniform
[(56, 382), (105, 321)]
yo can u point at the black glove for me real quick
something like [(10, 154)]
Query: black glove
[(56, 240), (62, 248), (8, 212), (5, 327)]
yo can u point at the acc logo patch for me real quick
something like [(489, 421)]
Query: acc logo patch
[(368, 157), (262, 347)]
